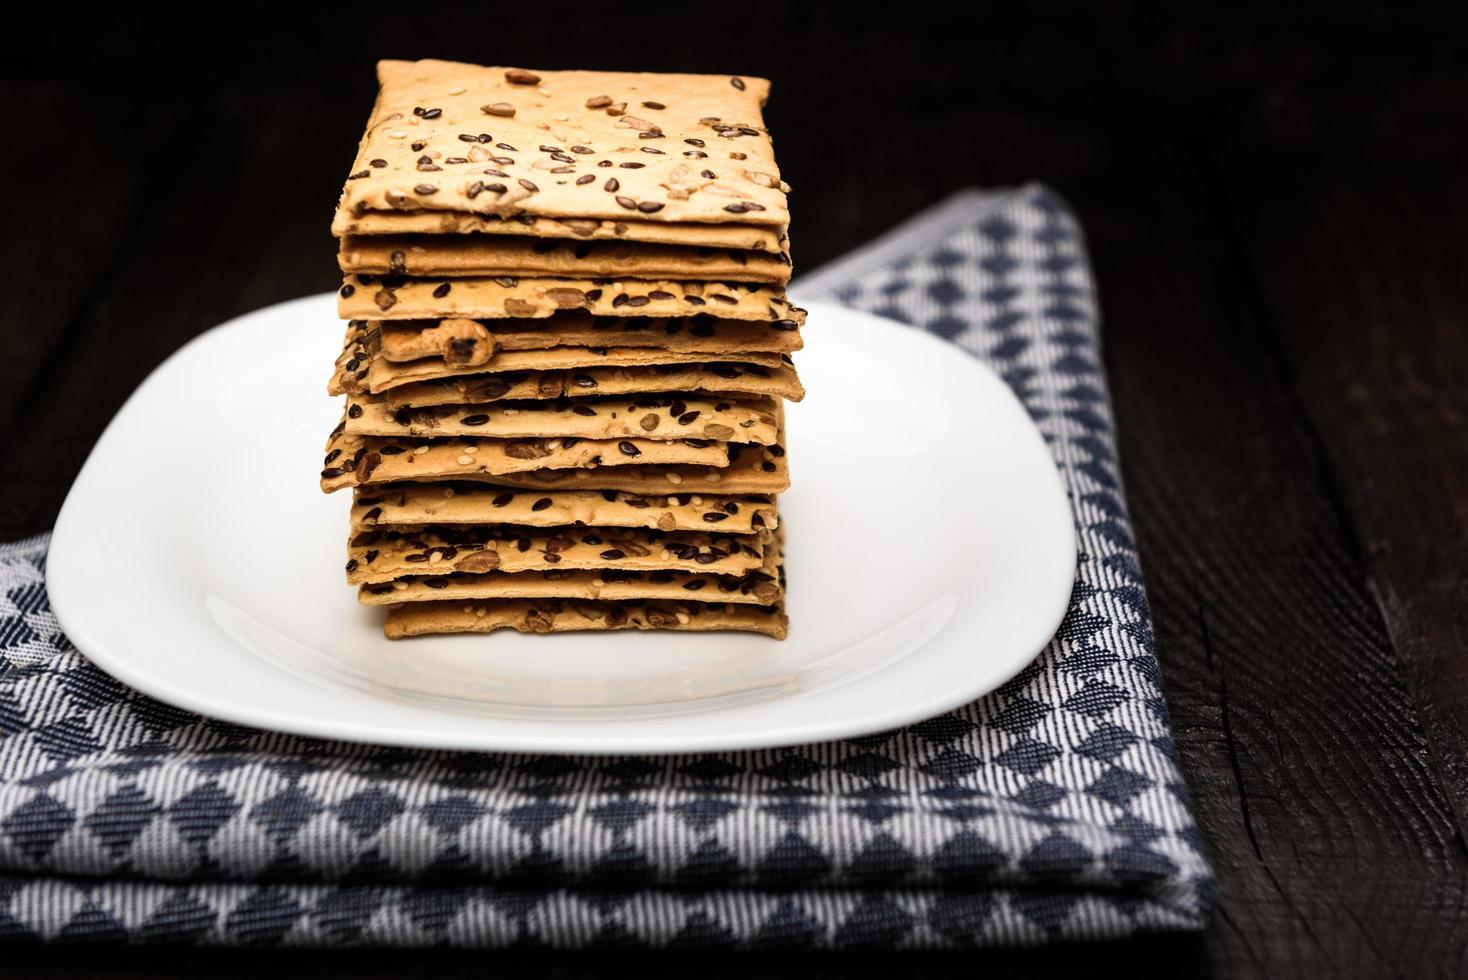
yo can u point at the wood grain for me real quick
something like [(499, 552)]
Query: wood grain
[(1275, 204)]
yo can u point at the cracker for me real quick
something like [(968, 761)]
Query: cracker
[(383, 374), (558, 616), (427, 256), (762, 586), (450, 503), (364, 296), (641, 417), (751, 469), (753, 238), (361, 368), (352, 460), (462, 341), (680, 148), (719, 377), (386, 553)]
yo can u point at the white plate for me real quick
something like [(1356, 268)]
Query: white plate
[(930, 555)]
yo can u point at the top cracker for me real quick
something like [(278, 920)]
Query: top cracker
[(446, 136)]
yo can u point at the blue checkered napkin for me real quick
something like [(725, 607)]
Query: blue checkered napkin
[(1051, 809)]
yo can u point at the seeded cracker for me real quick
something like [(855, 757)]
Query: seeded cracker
[(470, 342), (364, 296), (383, 554), (419, 503), (750, 238), (351, 460), (557, 616), (722, 377), (762, 586), (361, 368), (752, 470), (648, 417), (479, 255), (657, 147), (383, 374)]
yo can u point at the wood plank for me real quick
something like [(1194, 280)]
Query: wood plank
[(1363, 275), (1336, 849), (63, 249), (199, 253)]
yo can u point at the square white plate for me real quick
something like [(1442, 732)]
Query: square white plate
[(930, 553)]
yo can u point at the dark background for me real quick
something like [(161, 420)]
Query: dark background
[(1275, 202)]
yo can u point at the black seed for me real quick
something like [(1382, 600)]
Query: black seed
[(351, 564), (426, 189), (378, 163), (354, 412), (502, 499), (346, 291), (583, 410), (541, 504), (474, 419), (442, 290), (737, 82), (585, 179), (687, 418), (613, 554), (628, 449), (714, 516), (583, 381), (529, 185)]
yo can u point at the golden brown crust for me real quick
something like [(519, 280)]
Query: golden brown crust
[(686, 149)]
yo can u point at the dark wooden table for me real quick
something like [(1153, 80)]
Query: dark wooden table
[(1275, 202)]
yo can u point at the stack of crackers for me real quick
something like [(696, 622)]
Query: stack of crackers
[(568, 350)]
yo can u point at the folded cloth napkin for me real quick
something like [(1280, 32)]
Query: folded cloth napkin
[(1051, 809)]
